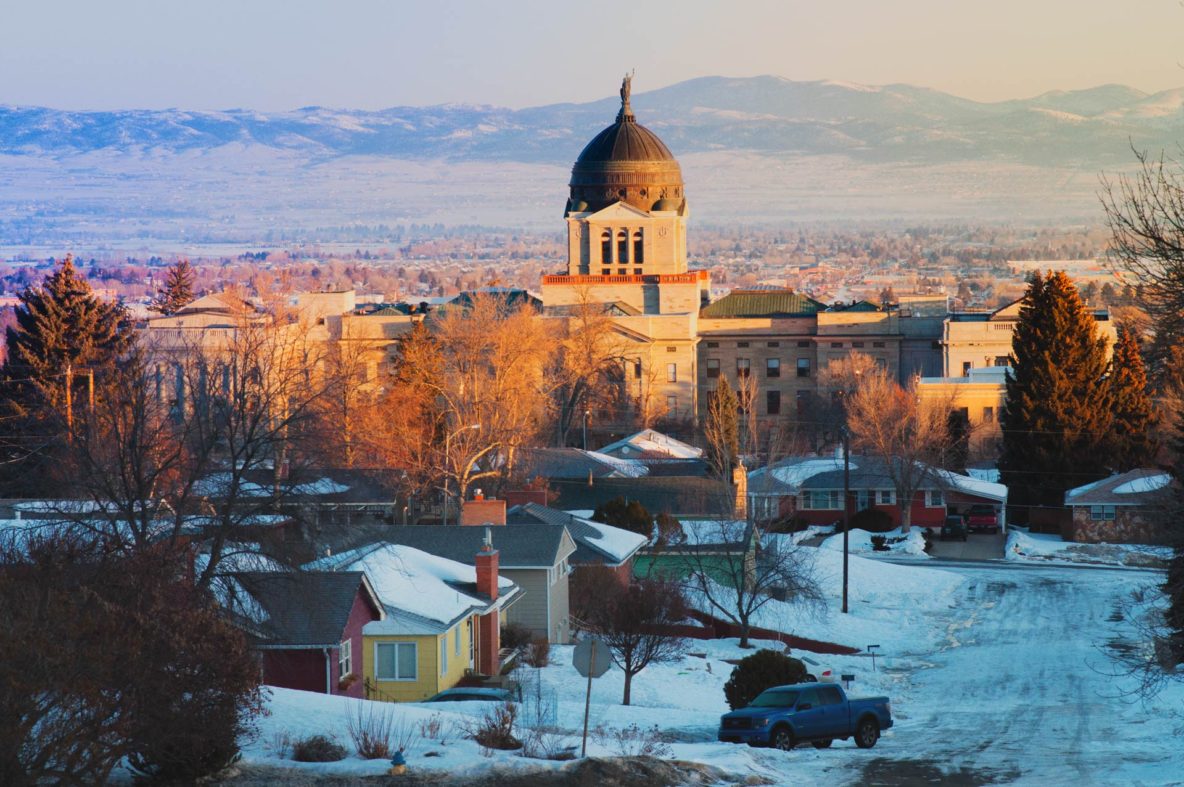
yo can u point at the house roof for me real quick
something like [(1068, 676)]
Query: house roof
[(573, 463), (762, 303), (681, 495), (595, 543), (791, 476), (651, 444), (1141, 487), (301, 609), (539, 546), (421, 593)]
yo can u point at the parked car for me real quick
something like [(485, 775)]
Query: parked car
[(785, 716), (474, 695), (982, 518), (953, 528), (818, 673)]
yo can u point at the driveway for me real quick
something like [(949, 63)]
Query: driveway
[(977, 546)]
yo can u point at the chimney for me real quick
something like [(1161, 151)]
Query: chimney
[(483, 511), (488, 625)]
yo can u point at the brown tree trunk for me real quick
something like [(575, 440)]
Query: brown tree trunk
[(628, 687)]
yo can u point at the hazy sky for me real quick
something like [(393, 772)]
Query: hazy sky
[(281, 54)]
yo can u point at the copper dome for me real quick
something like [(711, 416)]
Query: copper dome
[(625, 163)]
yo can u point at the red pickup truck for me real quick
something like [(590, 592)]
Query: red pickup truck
[(982, 518)]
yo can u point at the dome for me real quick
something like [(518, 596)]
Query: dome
[(625, 162)]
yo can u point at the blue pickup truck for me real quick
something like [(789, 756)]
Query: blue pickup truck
[(785, 716)]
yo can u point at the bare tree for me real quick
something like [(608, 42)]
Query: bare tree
[(633, 621), (906, 432), (720, 430), (747, 393), (592, 351), (736, 571)]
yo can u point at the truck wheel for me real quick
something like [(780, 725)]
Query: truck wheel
[(782, 738), (822, 744), (867, 733)]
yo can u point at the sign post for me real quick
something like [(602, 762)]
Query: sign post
[(591, 658), (872, 650)]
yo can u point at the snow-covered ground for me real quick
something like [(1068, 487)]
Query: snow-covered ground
[(1043, 548), (995, 672), (900, 544)]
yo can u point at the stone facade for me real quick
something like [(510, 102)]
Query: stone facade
[(1130, 525)]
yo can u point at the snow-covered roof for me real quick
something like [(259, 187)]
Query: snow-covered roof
[(322, 486), (797, 474), (651, 443), (1138, 487), (973, 486), (421, 592), (614, 541), (627, 468)]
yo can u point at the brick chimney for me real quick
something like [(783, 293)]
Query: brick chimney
[(488, 625), (482, 511)]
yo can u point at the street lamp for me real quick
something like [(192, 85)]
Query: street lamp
[(586, 414), (448, 460)]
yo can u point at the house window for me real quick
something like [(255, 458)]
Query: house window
[(822, 499), (345, 661), (803, 367), (885, 497), (396, 661), (444, 654), (743, 367), (861, 499), (773, 402), (671, 372), (773, 367), (712, 368), (1101, 513), (966, 367), (934, 498), (988, 415)]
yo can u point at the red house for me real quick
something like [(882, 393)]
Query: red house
[(307, 626), (810, 489)]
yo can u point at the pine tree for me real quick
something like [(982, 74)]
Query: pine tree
[(177, 292), (722, 429), (1057, 410), (1132, 443), (62, 332)]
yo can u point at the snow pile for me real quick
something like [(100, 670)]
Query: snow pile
[(1044, 548), (911, 544)]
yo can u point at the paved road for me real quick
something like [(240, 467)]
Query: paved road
[(1023, 692), (977, 546)]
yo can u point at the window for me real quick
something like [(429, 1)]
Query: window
[(773, 367), (395, 661), (671, 349), (878, 345), (803, 367), (444, 654), (1002, 360), (622, 271), (743, 367), (606, 249), (1101, 513), (966, 367), (637, 271), (836, 344), (712, 368), (882, 363), (857, 345), (345, 660), (606, 271), (741, 344), (885, 497), (472, 641), (622, 247), (861, 499), (671, 372), (772, 344), (803, 343), (638, 249), (712, 345), (671, 403), (822, 499), (773, 402), (637, 369), (934, 498), (988, 415)]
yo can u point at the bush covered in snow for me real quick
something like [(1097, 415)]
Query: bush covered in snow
[(317, 748), (762, 670)]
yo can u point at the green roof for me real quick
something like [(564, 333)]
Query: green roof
[(860, 306), (762, 303)]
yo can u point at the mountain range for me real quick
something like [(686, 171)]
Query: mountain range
[(760, 149)]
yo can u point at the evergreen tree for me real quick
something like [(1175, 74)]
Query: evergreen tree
[(62, 332), (177, 292), (722, 429), (1132, 442), (1057, 410)]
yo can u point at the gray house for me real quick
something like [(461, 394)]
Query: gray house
[(534, 557)]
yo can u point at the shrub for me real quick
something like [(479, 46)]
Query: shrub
[(872, 520), (670, 530), (763, 669), (628, 515), (880, 543), (495, 730), (516, 636), (632, 741), (927, 534), (538, 654), (370, 730), (317, 748)]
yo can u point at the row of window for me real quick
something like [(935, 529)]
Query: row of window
[(1000, 360), (805, 343), (744, 367), (1102, 513), (622, 248), (832, 499)]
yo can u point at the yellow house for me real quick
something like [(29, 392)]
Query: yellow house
[(443, 618)]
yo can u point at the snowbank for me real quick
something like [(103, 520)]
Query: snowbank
[(1043, 548), (899, 544)]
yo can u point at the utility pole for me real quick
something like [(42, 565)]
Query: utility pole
[(846, 507)]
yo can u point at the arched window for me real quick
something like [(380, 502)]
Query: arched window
[(638, 249), (606, 247), (622, 246)]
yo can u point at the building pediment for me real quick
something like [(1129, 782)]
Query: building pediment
[(618, 211)]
